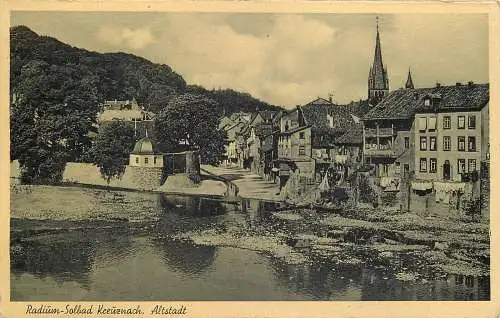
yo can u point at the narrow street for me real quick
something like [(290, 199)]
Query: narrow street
[(250, 185)]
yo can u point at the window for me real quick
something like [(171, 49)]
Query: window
[(461, 143), (472, 122), (407, 142), (446, 122), (423, 143), (302, 151), (432, 124), (146, 160), (461, 165), (137, 160), (423, 164), (398, 167), (432, 143), (461, 122), (432, 165), (302, 135), (446, 143), (422, 123), (472, 165), (154, 160), (472, 143)]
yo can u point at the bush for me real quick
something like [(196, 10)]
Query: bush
[(366, 192), (471, 206)]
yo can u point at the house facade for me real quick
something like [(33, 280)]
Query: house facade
[(388, 145), (294, 146), (452, 131), (129, 111)]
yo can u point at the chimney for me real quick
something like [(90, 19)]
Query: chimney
[(438, 84), (470, 83), (330, 97), (459, 84)]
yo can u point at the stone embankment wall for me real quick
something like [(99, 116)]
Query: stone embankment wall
[(139, 178)]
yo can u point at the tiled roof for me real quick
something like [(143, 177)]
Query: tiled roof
[(404, 103), (316, 115), (458, 97), (353, 136), (359, 108)]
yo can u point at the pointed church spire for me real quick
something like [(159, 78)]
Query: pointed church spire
[(378, 82), (409, 80)]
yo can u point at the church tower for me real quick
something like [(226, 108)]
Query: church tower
[(409, 81), (378, 82)]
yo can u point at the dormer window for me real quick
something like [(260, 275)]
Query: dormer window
[(427, 102), (330, 120)]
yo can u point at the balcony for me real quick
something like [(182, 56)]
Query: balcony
[(380, 151), (382, 131)]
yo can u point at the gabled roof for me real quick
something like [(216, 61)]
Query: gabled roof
[(266, 115), (317, 114), (319, 101), (404, 103)]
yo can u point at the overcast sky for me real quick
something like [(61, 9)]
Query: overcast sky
[(281, 58)]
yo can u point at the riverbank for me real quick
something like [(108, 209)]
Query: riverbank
[(87, 175), (250, 185)]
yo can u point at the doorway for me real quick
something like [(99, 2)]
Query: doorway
[(446, 170)]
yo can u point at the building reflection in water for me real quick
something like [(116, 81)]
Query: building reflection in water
[(62, 257), (187, 213), (325, 281), (322, 281), (184, 257)]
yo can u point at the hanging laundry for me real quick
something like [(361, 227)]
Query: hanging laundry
[(421, 185)]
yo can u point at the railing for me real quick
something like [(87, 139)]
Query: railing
[(380, 152)]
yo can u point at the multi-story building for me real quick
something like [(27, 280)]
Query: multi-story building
[(387, 134), (451, 133), (438, 133), (294, 146), (234, 126)]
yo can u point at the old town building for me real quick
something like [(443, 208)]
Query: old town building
[(451, 134)]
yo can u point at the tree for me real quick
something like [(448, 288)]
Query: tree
[(111, 149), (192, 120), (53, 110)]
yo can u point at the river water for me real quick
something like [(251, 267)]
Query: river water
[(144, 263)]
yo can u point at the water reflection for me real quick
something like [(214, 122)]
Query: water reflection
[(69, 256), (325, 281), (322, 281), (121, 264), (185, 257), (193, 206)]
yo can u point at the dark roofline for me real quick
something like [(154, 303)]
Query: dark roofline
[(291, 131)]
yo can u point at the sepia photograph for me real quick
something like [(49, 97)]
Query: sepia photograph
[(243, 156)]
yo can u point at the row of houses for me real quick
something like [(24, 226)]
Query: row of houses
[(409, 139), (436, 134), (309, 138)]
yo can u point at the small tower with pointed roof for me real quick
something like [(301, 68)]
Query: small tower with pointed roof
[(378, 81), (409, 81)]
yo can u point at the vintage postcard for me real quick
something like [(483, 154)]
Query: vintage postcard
[(189, 159)]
